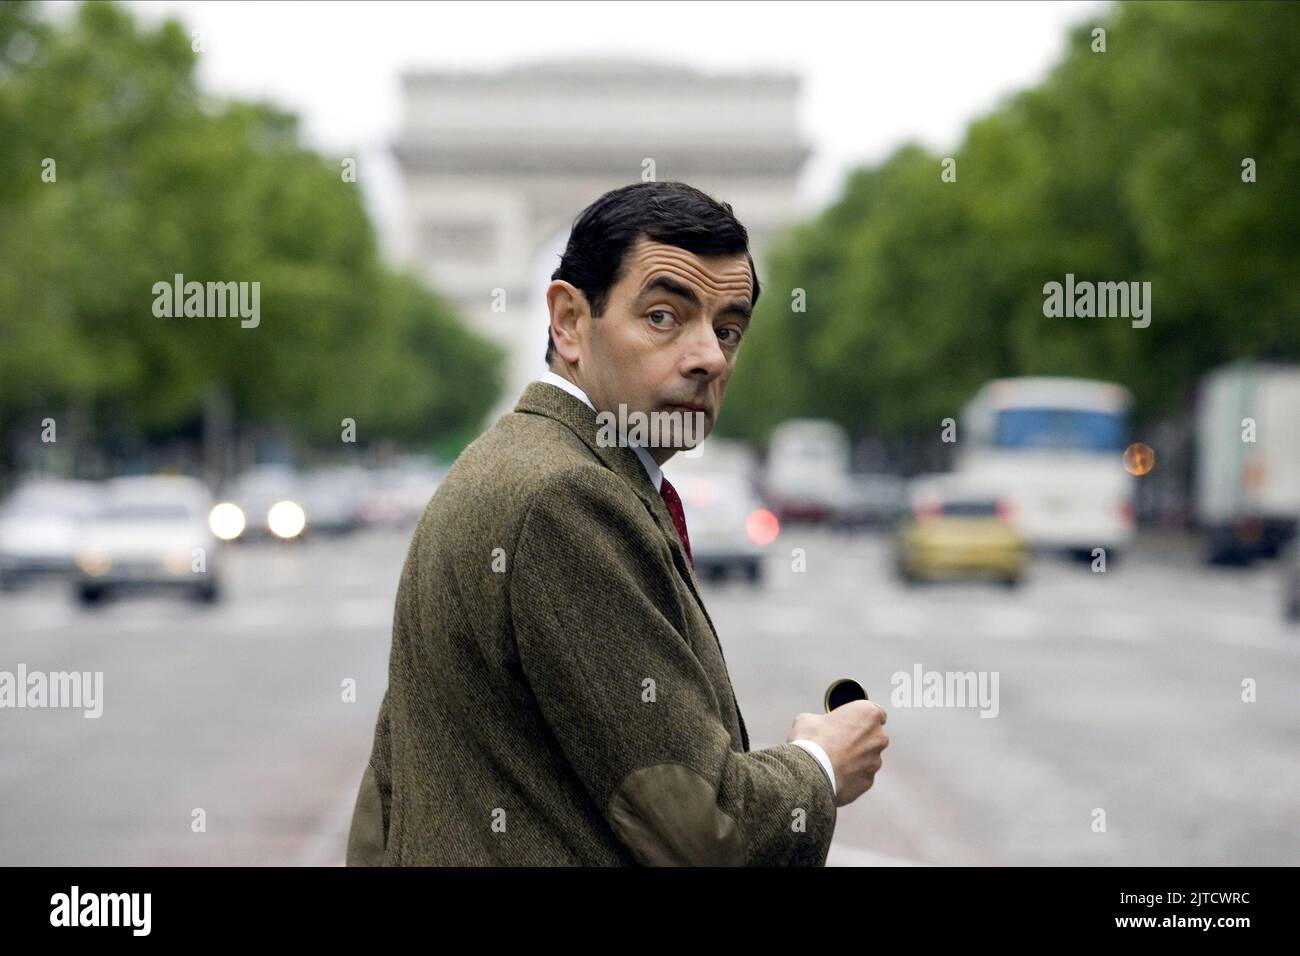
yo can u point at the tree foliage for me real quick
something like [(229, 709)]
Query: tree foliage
[(150, 179), (1123, 165)]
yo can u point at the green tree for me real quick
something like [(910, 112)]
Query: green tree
[(152, 179), (1121, 166)]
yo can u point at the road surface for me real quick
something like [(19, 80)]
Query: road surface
[(1118, 692)]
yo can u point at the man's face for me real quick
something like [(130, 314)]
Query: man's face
[(669, 336)]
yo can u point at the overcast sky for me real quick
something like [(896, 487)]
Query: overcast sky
[(874, 74)]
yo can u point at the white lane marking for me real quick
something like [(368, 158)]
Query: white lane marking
[(895, 618), (43, 619), (1011, 623), (1238, 630), (1130, 626)]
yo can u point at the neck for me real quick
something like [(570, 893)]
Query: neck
[(660, 454)]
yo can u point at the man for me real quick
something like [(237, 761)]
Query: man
[(557, 694)]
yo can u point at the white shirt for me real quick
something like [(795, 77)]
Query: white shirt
[(656, 478)]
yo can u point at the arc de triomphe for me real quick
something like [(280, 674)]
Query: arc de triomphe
[(497, 165)]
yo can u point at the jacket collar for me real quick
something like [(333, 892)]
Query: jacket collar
[(540, 398), (651, 466)]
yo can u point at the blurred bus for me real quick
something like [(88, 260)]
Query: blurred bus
[(1055, 447), (1247, 473)]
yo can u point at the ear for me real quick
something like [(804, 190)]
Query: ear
[(569, 311)]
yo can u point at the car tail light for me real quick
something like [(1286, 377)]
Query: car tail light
[(1006, 510), (1127, 513), (928, 510), (762, 526)]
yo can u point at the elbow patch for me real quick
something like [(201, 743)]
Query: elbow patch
[(668, 815)]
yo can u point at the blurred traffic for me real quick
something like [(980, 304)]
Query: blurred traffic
[(170, 532), (1040, 466)]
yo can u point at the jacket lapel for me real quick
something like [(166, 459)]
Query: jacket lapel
[(541, 398)]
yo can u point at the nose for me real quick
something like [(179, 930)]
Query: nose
[(703, 358)]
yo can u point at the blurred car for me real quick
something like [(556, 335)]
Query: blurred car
[(262, 502), (1292, 588), (957, 530), (149, 533), (869, 501), (807, 469), (396, 497), (716, 454), (331, 499), (728, 525), (39, 524)]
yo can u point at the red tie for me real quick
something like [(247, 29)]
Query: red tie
[(674, 503)]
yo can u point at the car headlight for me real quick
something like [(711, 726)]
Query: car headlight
[(94, 562), (286, 519), (226, 521)]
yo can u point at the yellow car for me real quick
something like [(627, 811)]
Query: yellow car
[(957, 532)]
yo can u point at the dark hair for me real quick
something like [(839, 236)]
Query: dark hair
[(670, 212)]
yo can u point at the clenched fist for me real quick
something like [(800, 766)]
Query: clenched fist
[(853, 735)]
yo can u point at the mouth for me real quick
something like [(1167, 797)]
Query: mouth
[(690, 408)]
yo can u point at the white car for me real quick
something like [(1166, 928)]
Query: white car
[(39, 525), (331, 499), (728, 525), (869, 501), (264, 501), (149, 533), (807, 473), (396, 497)]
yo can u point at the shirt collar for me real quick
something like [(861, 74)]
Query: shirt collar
[(651, 466)]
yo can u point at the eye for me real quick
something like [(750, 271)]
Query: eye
[(733, 335), (660, 324)]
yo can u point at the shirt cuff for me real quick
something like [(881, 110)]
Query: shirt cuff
[(816, 750)]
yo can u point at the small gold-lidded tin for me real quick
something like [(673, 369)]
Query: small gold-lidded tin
[(842, 691)]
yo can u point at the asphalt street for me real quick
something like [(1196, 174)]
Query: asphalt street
[(1119, 692)]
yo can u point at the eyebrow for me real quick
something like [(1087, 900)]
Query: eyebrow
[(738, 307)]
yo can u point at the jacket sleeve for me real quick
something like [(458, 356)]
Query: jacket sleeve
[(600, 634), (368, 834)]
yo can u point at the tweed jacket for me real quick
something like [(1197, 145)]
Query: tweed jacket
[(557, 694)]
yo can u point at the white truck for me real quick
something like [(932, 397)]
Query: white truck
[(1247, 461)]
